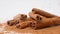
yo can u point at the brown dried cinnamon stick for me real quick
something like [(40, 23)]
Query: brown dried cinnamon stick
[(17, 19), (45, 23), (20, 17), (36, 17), (23, 24), (12, 22), (43, 13)]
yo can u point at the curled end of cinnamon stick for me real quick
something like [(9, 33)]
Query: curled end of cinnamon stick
[(18, 26), (38, 18), (33, 25), (23, 17), (10, 23), (33, 9)]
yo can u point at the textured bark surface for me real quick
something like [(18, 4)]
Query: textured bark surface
[(43, 13)]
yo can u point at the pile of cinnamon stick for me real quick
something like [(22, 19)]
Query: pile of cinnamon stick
[(37, 19)]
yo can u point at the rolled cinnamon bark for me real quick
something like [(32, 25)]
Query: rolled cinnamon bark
[(36, 17), (23, 24), (43, 13), (34, 24), (20, 17), (56, 20), (17, 19), (12, 22), (45, 23)]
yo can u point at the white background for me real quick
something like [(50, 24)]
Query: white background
[(9, 8)]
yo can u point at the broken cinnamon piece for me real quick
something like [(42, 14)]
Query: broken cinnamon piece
[(12, 22), (43, 13)]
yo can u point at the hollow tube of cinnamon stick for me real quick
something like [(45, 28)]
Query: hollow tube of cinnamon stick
[(23, 24), (36, 17), (12, 22), (45, 23), (35, 24), (20, 17), (43, 13)]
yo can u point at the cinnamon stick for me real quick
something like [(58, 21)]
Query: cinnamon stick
[(23, 24), (45, 23), (12, 22), (20, 17), (17, 19), (43, 13), (36, 17)]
